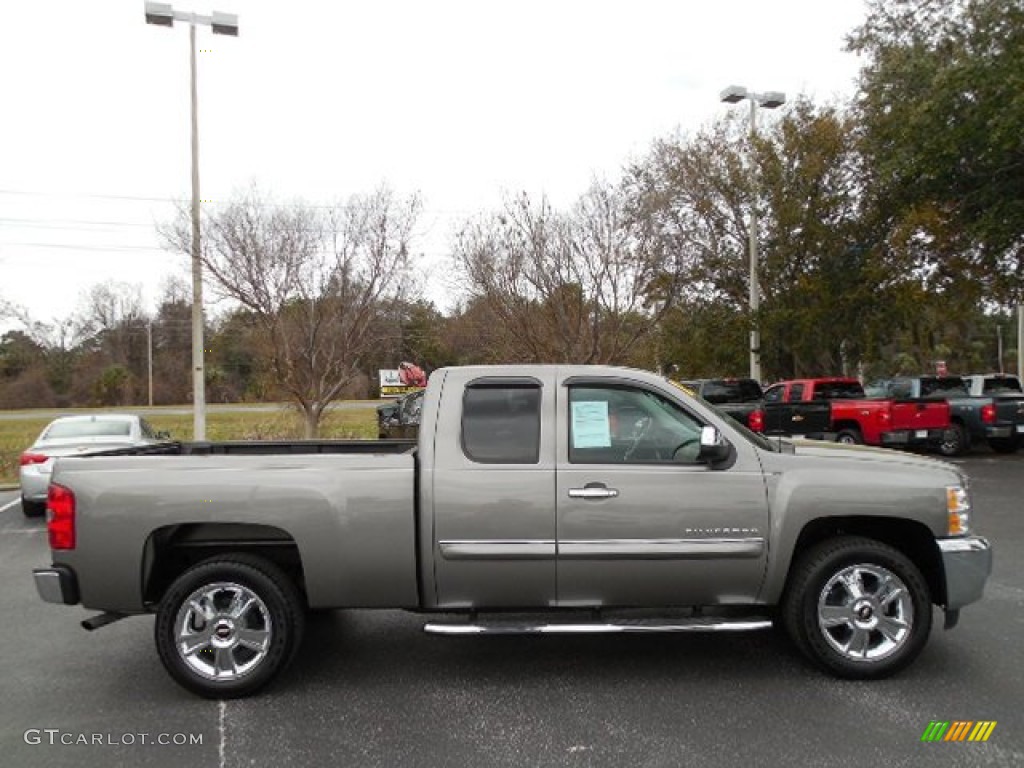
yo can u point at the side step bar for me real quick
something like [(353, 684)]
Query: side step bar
[(696, 624)]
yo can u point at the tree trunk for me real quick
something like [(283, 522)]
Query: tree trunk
[(311, 421)]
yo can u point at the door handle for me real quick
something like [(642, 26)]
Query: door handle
[(593, 492)]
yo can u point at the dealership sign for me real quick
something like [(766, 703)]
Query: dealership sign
[(391, 384)]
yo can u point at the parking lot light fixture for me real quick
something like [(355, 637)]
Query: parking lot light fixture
[(769, 100), (163, 15)]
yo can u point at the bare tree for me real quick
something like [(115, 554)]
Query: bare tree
[(315, 281), (566, 287)]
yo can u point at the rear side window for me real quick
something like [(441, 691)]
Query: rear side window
[(997, 385), (501, 422), (943, 387), (839, 390), (90, 428), (732, 391)]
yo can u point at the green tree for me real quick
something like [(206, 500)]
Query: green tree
[(941, 107)]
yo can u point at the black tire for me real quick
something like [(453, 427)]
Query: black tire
[(954, 441), (814, 583), (277, 616), (32, 508), (1004, 444), (850, 436)]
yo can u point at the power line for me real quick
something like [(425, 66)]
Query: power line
[(100, 248)]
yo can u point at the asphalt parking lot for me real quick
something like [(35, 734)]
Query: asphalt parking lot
[(370, 689)]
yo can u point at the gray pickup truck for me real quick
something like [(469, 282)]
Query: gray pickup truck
[(538, 499), (995, 416)]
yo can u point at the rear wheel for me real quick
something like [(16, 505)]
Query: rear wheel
[(33, 508), (954, 440), (850, 436), (227, 626), (1004, 444), (858, 608)]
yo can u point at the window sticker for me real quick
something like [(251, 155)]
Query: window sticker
[(590, 426)]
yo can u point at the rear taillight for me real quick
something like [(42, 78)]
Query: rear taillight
[(756, 421), (988, 413), (60, 503), (31, 458)]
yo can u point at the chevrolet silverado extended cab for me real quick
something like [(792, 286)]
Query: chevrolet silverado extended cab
[(543, 499), (857, 419), (995, 418)]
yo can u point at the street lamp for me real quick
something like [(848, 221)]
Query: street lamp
[(163, 15), (769, 100)]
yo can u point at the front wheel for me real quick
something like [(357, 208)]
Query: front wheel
[(858, 608), (228, 625)]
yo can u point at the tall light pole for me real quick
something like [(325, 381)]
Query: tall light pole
[(162, 14), (769, 100), (1020, 342)]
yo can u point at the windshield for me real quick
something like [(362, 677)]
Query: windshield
[(90, 428)]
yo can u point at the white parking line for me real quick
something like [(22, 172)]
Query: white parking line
[(5, 507)]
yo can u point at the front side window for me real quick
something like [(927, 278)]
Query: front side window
[(501, 422), (623, 425)]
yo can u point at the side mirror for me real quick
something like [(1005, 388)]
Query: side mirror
[(713, 447)]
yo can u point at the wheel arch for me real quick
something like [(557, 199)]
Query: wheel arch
[(909, 537), (171, 550)]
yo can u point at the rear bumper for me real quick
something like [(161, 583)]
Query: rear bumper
[(913, 436), (57, 584), (967, 563), (34, 485)]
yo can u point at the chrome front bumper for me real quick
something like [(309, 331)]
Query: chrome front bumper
[(967, 563), (57, 584)]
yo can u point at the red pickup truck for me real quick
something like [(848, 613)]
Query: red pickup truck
[(856, 419)]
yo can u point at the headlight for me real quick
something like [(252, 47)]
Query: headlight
[(958, 510)]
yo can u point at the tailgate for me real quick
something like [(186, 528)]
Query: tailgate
[(1010, 410), (920, 414), (810, 418)]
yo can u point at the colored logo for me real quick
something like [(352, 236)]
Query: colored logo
[(958, 730)]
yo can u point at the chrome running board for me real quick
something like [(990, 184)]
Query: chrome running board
[(697, 624)]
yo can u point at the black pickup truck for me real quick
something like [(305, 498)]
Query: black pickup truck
[(743, 400), (997, 418)]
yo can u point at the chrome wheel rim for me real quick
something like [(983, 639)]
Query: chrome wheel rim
[(847, 440), (865, 612), (223, 631)]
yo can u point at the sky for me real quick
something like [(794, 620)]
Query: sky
[(459, 101)]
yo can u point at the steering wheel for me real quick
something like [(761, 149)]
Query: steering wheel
[(685, 446)]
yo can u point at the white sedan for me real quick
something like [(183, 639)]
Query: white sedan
[(74, 435)]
